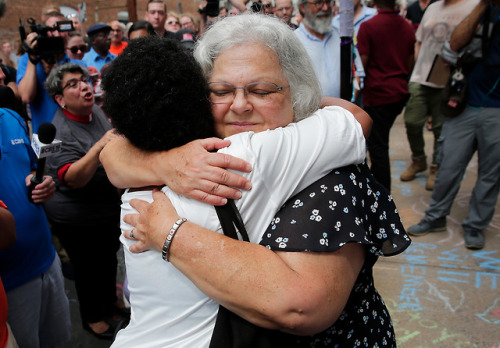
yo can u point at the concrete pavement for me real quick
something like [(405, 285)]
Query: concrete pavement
[(439, 293)]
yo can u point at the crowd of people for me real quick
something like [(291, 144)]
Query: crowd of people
[(178, 112)]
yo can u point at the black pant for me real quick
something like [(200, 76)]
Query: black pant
[(92, 250), (383, 117)]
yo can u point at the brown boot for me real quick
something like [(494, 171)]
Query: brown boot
[(429, 186), (418, 164)]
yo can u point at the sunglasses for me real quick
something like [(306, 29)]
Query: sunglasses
[(172, 22), (75, 49)]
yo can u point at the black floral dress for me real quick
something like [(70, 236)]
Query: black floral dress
[(346, 206)]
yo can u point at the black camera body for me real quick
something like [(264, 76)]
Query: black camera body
[(256, 6), (211, 9), (47, 46)]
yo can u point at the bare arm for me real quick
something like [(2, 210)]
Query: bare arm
[(299, 292), (359, 114), (28, 85), (189, 170), (464, 32), (81, 172), (417, 49), (7, 229)]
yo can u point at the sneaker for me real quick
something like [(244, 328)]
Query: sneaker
[(424, 227), (474, 239)]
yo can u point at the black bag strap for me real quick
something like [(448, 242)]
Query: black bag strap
[(232, 331), (231, 221)]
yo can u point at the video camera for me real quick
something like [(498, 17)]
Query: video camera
[(47, 47), (256, 6), (211, 9)]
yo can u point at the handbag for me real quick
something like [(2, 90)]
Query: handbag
[(231, 330), (453, 98)]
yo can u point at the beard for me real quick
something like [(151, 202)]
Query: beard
[(320, 25)]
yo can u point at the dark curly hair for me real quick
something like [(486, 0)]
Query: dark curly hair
[(156, 95)]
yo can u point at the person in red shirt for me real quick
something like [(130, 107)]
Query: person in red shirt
[(386, 46)]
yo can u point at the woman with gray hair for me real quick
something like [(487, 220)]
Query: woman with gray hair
[(291, 283), (292, 57), (85, 201)]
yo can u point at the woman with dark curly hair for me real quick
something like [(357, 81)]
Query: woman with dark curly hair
[(170, 109), (85, 202), (297, 282)]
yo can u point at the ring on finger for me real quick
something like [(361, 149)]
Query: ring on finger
[(132, 234)]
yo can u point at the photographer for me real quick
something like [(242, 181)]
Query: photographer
[(34, 67), (475, 129)]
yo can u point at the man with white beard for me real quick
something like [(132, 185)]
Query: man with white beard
[(322, 43)]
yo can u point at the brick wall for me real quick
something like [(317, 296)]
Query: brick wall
[(97, 11)]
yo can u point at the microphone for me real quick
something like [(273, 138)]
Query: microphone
[(44, 145)]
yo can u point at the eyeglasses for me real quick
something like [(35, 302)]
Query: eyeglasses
[(75, 49), (173, 22), (255, 92), (320, 3), (74, 83), (266, 5), (288, 8)]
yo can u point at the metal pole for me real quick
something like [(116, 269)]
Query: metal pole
[(346, 13)]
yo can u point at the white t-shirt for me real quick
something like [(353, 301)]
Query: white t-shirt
[(436, 27), (168, 310)]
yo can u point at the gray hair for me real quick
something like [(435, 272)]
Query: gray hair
[(275, 34), (53, 84), (120, 24)]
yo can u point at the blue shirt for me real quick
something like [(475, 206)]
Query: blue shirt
[(325, 57), (366, 14), (33, 252), (43, 107), (92, 58)]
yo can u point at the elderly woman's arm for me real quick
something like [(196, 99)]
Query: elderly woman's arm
[(296, 292), (190, 170), (81, 172)]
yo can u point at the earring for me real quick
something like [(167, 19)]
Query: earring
[(63, 106)]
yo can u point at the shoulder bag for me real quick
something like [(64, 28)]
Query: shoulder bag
[(232, 331)]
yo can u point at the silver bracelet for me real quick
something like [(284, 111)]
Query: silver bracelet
[(170, 236)]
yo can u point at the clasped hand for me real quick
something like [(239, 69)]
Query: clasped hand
[(152, 224)]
